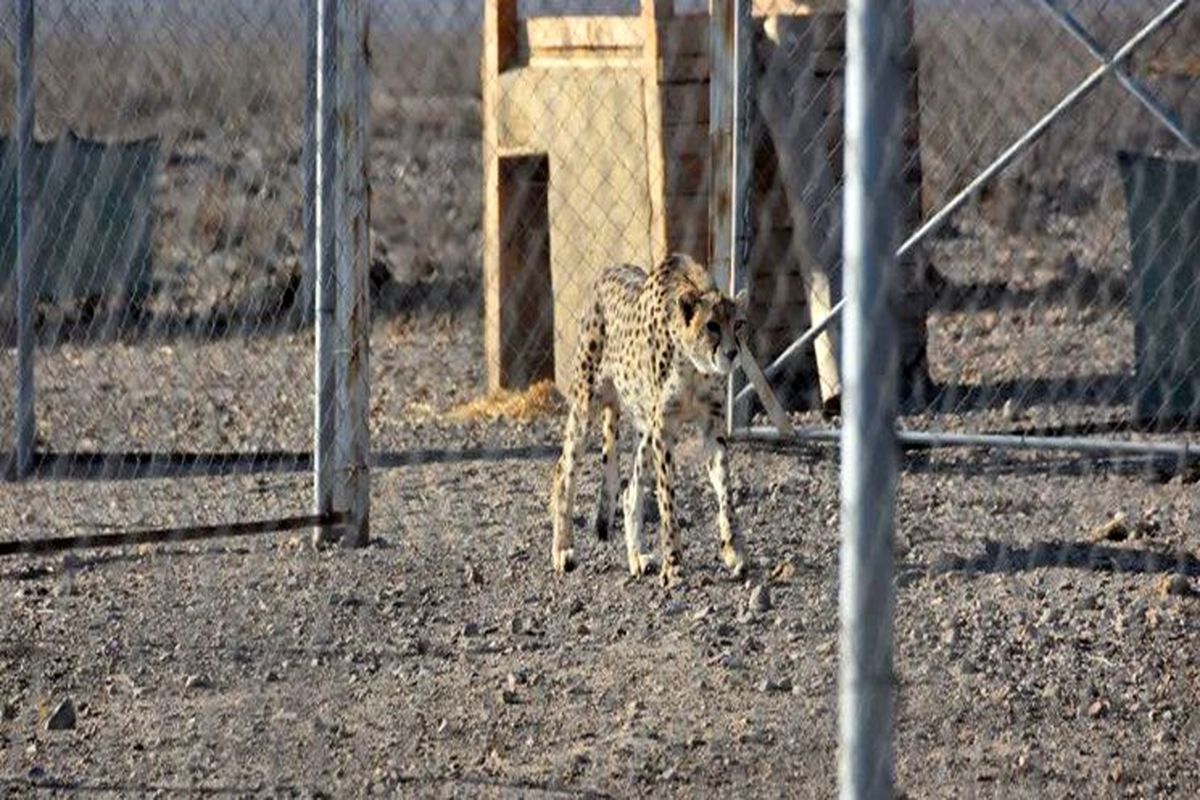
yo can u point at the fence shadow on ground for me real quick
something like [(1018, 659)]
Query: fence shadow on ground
[(998, 558), (1096, 390), (1087, 289), (137, 465), (259, 313)]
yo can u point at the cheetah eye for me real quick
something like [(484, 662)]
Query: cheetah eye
[(713, 327)]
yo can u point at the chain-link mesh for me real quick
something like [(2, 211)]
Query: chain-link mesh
[(1044, 599)]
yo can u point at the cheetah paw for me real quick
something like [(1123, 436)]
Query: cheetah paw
[(734, 560), (670, 575), (641, 564), (564, 560)]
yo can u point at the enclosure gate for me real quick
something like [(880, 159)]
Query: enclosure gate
[(1108, 65)]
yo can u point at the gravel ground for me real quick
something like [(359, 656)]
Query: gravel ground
[(447, 659), (1039, 653)]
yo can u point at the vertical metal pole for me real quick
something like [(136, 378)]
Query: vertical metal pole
[(26, 243), (308, 263), (353, 245), (323, 155), (730, 46), (873, 159)]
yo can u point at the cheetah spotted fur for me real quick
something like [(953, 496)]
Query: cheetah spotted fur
[(658, 345)]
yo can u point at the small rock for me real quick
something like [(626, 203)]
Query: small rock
[(1009, 410), (760, 599), (472, 576), (508, 697), (783, 572), (63, 717), (1174, 585), (1097, 709), (1115, 530), (674, 608), (196, 682), (775, 685), (470, 629), (577, 607)]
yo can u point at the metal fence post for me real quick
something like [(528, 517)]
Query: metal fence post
[(26, 425), (324, 168), (353, 246), (873, 160), (730, 43)]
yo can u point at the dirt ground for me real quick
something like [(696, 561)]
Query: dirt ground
[(1035, 657), (447, 660)]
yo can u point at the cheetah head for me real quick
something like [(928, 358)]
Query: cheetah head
[(708, 325)]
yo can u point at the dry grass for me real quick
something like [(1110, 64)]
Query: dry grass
[(538, 401)]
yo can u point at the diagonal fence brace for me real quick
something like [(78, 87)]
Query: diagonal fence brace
[(1001, 162)]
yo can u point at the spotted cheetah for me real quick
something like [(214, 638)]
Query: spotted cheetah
[(659, 345)]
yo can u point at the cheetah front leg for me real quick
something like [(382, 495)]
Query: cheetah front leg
[(639, 562), (716, 450), (668, 533)]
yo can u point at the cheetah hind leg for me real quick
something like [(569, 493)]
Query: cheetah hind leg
[(640, 563), (562, 495), (606, 505)]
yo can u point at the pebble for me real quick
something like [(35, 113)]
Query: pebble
[(63, 718), (196, 682), (775, 685), (760, 599)]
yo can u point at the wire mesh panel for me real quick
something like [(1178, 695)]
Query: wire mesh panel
[(1044, 604), (168, 260)]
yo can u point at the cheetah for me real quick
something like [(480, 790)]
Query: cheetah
[(659, 345)]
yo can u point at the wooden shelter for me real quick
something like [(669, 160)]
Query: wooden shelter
[(597, 149)]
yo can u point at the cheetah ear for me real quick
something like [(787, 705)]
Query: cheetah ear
[(741, 301), (688, 301)]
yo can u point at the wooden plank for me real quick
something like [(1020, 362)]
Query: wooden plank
[(606, 32), (685, 35), (499, 48), (684, 69), (654, 16), (688, 139), (687, 174), (685, 103)]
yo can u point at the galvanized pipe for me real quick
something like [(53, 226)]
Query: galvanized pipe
[(1181, 452), (874, 158), (25, 421), (325, 459)]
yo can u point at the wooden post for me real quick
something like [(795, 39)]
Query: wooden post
[(787, 85), (499, 52), (353, 245), (654, 14)]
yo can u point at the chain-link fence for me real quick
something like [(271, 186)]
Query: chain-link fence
[(186, 216)]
